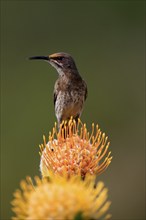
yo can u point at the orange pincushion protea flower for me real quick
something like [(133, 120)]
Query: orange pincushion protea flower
[(73, 151)]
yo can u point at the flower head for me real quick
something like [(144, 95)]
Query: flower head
[(60, 198), (73, 151)]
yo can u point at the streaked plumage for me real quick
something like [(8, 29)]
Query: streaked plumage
[(70, 90)]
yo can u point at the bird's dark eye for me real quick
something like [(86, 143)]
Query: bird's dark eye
[(60, 58)]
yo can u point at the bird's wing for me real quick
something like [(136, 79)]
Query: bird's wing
[(55, 96), (57, 88)]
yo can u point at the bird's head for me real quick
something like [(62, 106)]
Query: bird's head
[(62, 62)]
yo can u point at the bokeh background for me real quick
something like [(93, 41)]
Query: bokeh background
[(106, 39)]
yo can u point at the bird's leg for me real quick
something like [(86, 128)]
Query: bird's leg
[(76, 118)]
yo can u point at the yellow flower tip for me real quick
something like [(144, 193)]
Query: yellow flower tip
[(60, 198), (73, 150)]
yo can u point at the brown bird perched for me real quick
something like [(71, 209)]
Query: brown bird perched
[(70, 90)]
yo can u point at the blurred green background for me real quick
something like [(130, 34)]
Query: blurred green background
[(106, 39)]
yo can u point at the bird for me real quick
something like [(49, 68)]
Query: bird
[(70, 90)]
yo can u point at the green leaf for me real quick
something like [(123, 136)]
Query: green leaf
[(78, 216)]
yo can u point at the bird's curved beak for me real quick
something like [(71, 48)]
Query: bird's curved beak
[(39, 58)]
